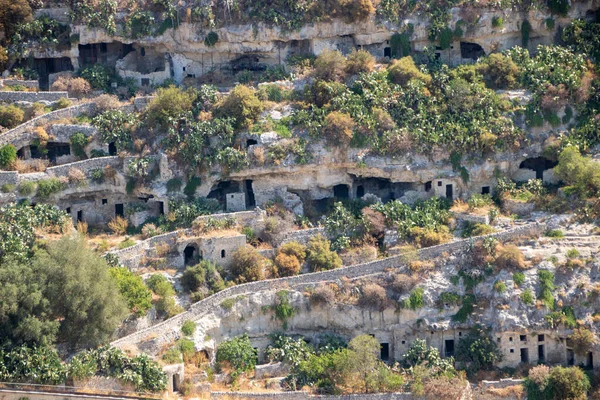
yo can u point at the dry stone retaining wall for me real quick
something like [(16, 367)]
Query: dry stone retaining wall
[(305, 395), (32, 84), (86, 165), (169, 330), (23, 134), (31, 97)]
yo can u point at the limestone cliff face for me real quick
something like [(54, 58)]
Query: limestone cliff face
[(187, 55)]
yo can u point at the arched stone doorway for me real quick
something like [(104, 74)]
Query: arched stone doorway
[(191, 255)]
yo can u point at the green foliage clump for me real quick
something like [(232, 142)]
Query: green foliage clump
[(429, 357), (286, 349), (466, 308), (500, 286), (359, 61), (580, 173), (40, 365), (95, 14), (554, 233), (141, 371), (188, 328), (26, 188), (518, 278), (497, 22), (133, 290), (237, 353), (560, 7), (415, 300), (329, 66), (203, 275), (583, 37), (248, 265), (168, 104), (500, 71), (431, 214), (139, 24), (404, 70), (546, 279), (242, 105), (556, 383), (116, 126), (78, 143), (11, 116), (99, 76), (8, 155), (211, 39), (400, 44), (319, 255), (46, 187), (478, 349), (527, 297)]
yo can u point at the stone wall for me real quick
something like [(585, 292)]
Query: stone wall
[(86, 165), (63, 132), (476, 219), (9, 177), (32, 97), (16, 82), (301, 236), (23, 134), (305, 395), (169, 330)]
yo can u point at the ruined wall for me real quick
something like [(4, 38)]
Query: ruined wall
[(23, 134), (32, 97), (169, 330)]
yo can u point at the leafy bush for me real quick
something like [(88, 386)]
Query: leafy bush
[(558, 383), (11, 116), (211, 39), (339, 128), (247, 265), (373, 296), (421, 354), (26, 188), (527, 297), (188, 328), (40, 365), (285, 349), (518, 278), (8, 188), (560, 7), (579, 172), (415, 300), (509, 257), (169, 103), (319, 255), (287, 265), (241, 104), (118, 225), (500, 71), (133, 290), (497, 22), (76, 87), (329, 66), (478, 349), (46, 187), (554, 233), (403, 70), (78, 143), (500, 286), (8, 155), (359, 61), (322, 296), (238, 353), (546, 279), (98, 76), (115, 126), (582, 340)]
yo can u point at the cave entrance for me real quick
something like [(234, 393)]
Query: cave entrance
[(524, 355), (222, 189), (341, 191), (103, 53), (112, 149), (385, 352), (449, 348), (119, 210), (360, 191), (46, 66), (387, 52), (471, 50), (250, 200), (449, 192), (541, 353), (539, 165), (56, 150), (190, 255)]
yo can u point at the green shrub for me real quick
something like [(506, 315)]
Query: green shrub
[(560, 7), (582, 340), (403, 70), (11, 116), (500, 286), (188, 328), (554, 233), (500, 71), (497, 22), (478, 349), (26, 188), (174, 185), (339, 128), (131, 286), (573, 253), (329, 66), (211, 39), (172, 356), (242, 104), (46, 187), (169, 103), (319, 255), (248, 265), (550, 23), (556, 383), (97, 175), (518, 278), (546, 279), (8, 155), (191, 186), (238, 353), (62, 103), (527, 297), (415, 300), (98, 75), (8, 188), (359, 61), (78, 143)]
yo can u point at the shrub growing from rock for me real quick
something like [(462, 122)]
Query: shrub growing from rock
[(8, 155), (404, 70), (247, 265), (319, 255), (242, 104)]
